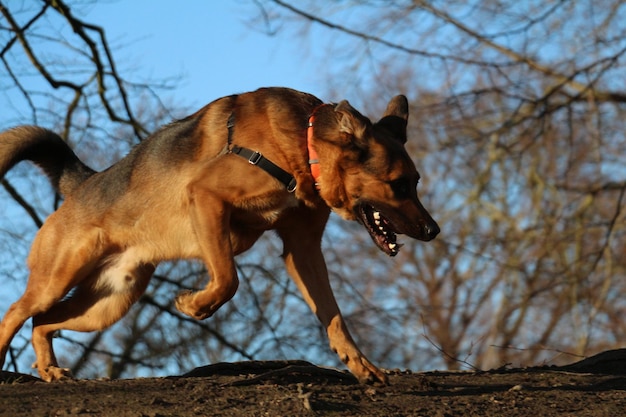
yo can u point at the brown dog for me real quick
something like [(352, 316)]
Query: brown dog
[(207, 187)]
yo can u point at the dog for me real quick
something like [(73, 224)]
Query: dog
[(208, 186)]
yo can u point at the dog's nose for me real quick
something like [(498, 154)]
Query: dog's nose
[(432, 230)]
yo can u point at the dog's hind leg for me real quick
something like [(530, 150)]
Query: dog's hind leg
[(53, 274), (12, 322), (94, 305), (305, 263)]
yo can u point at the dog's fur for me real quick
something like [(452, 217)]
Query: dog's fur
[(182, 194)]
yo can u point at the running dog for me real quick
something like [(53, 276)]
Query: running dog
[(207, 187)]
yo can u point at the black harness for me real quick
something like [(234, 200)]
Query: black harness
[(257, 158)]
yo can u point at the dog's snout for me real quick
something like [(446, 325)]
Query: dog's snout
[(432, 230), (428, 227)]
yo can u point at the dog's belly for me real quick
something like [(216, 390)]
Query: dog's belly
[(124, 272), (172, 239)]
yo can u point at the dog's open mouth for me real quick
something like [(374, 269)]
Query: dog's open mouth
[(379, 227)]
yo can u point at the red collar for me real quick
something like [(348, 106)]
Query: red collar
[(314, 160)]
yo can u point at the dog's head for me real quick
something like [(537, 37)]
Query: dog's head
[(367, 175)]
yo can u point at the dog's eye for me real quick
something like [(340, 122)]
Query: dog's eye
[(401, 188)]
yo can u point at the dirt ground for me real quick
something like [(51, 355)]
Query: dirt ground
[(594, 387)]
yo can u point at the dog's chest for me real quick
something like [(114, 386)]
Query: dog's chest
[(263, 213)]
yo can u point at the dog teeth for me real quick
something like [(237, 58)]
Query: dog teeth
[(377, 221), (392, 246)]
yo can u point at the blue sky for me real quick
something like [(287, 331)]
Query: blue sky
[(210, 46)]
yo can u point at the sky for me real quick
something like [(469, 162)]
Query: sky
[(211, 47)]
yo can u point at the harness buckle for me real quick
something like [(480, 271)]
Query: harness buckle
[(255, 158), (291, 187)]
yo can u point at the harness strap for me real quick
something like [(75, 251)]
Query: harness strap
[(230, 123), (256, 158)]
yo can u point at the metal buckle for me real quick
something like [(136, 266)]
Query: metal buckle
[(291, 187), (255, 158)]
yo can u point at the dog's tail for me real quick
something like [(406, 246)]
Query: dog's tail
[(46, 149)]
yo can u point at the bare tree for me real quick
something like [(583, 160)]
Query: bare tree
[(516, 126), (80, 92), (518, 122), (59, 71)]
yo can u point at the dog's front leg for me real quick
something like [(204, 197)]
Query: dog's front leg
[(305, 263), (210, 218)]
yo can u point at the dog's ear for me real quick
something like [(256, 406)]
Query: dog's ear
[(395, 118), (342, 125), (352, 123), (348, 117)]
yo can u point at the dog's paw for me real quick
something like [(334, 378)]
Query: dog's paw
[(184, 303), (366, 372), (54, 373)]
